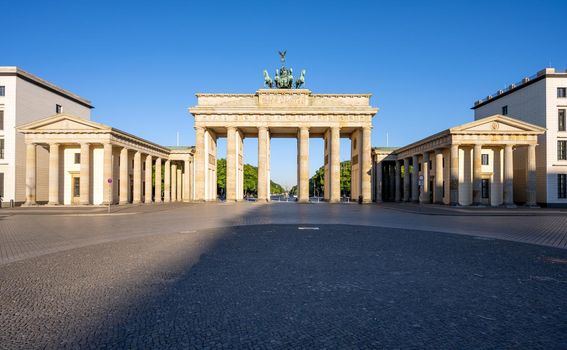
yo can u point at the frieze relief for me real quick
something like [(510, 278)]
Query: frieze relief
[(294, 100), (203, 119)]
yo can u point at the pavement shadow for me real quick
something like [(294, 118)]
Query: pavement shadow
[(341, 286)]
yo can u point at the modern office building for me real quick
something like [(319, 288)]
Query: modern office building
[(24, 98), (541, 100)]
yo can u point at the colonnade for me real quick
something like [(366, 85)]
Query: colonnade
[(128, 175), (205, 159), (451, 175)]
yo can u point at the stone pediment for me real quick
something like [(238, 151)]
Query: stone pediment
[(497, 124), (64, 123)]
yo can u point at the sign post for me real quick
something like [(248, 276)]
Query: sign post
[(109, 192)]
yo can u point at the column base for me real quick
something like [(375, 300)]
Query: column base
[(55, 203), (30, 204), (84, 203)]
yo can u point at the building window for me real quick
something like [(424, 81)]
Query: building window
[(1, 120), (561, 185), (2, 185), (484, 159), (419, 167), (485, 188), (561, 120), (58, 109), (77, 158), (562, 150), (2, 91), (1, 148), (504, 110), (76, 185), (561, 92), (430, 165)]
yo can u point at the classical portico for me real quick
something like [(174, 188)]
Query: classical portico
[(84, 155), (285, 113), (491, 161)]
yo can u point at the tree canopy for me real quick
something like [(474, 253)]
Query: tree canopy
[(250, 180), (317, 181)]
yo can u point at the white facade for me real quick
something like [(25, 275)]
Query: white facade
[(535, 100), (28, 98)]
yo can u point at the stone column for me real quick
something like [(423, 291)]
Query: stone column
[(366, 165), (231, 167), (85, 180), (303, 165), (454, 175), (124, 185), (406, 180), (263, 160), (335, 173), (137, 174), (179, 184), (186, 181), (425, 194), (30, 174), (108, 171), (158, 192), (397, 181), (439, 176), (54, 174), (201, 165), (379, 182), (508, 175), (174, 182), (477, 181), (167, 182), (415, 179), (531, 199), (148, 180)]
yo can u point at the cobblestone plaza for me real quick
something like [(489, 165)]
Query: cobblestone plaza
[(283, 276)]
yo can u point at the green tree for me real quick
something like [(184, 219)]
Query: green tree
[(250, 180), (317, 181), (345, 178), (221, 177)]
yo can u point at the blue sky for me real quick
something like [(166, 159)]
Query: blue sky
[(141, 62)]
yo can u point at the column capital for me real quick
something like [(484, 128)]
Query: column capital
[(231, 128), (200, 128), (263, 128)]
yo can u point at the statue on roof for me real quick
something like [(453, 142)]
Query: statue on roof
[(284, 76)]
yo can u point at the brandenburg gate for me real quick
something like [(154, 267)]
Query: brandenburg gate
[(286, 113)]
